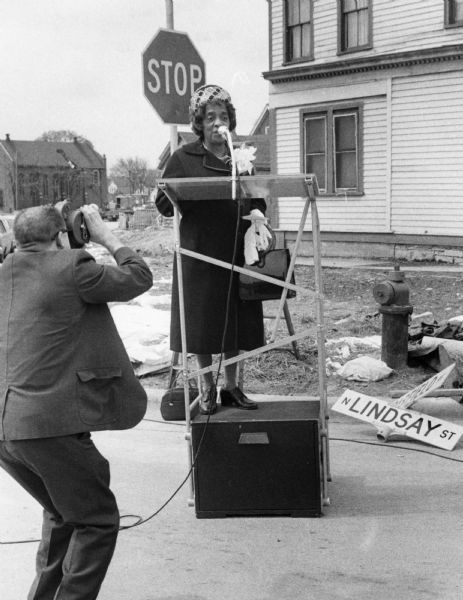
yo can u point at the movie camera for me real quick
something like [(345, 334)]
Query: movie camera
[(77, 230)]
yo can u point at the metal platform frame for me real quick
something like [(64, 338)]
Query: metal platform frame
[(256, 186)]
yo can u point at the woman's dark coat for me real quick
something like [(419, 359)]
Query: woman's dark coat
[(208, 227)]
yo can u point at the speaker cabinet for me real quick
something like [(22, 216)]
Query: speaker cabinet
[(259, 462)]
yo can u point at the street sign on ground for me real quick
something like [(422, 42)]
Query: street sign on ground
[(419, 426), (172, 71)]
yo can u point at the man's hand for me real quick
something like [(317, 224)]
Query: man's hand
[(98, 229)]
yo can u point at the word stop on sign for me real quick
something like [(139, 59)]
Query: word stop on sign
[(170, 77)]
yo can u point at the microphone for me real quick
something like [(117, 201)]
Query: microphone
[(223, 131)]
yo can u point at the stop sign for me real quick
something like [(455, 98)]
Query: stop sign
[(172, 70)]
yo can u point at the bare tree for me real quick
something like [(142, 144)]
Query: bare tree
[(152, 176), (63, 135), (133, 170)]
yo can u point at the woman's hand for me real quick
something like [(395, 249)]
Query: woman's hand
[(257, 216), (258, 237)]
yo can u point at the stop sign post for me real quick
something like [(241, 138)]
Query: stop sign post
[(172, 71)]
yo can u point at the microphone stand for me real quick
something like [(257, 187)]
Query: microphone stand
[(225, 131)]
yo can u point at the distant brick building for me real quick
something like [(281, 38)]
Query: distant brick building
[(38, 172)]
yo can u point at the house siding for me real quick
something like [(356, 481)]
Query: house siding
[(277, 33), (412, 127), (398, 26), (342, 212), (412, 158), (427, 154)]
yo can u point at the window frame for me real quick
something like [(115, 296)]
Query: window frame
[(317, 115), (21, 187), (291, 60), (34, 188), (338, 115), (65, 185), (45, 186), (56, 187), (368, 45), (330, 111), (448, 7)]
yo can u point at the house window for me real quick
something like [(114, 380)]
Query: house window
[(96, 178), (45, 186), (354, 25), (34, 179), (315, 148), (332, 149), (64, 186), (76, 191), (454, 13), (21, 187), (56, 188), (299, 30)]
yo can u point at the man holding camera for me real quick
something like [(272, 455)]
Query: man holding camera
[(64, 372)]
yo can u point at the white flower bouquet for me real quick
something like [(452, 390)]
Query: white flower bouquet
[(244, 157)]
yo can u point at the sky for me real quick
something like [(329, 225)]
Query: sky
[(77, 65)]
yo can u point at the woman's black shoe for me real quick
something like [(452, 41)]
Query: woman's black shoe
[(236, 397), (208, 401)]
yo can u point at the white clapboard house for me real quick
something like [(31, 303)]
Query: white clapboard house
[(368, 95)]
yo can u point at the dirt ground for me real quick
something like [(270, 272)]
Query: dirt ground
[(350, 310)]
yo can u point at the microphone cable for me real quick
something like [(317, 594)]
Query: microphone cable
[(141, 521)]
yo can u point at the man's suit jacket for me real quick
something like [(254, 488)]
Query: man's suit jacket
[(63, 366)]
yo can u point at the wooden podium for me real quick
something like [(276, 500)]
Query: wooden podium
[(257, 186)]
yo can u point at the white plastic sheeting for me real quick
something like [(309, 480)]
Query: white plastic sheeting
[(144, 330)]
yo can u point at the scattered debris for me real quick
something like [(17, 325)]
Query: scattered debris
[(364, 368)]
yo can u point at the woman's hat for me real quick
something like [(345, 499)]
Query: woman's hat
[(206, 94)]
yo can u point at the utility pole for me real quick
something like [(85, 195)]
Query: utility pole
[(170, 25)]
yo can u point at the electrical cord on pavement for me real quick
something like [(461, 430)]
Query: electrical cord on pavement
[(353, 441), (392, 445), (335, 439), (140, 521)]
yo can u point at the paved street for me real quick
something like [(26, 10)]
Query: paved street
[(393, 529)]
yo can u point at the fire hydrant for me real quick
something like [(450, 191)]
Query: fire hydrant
[(393, 297)]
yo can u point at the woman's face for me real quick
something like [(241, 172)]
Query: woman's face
[(215, 115)]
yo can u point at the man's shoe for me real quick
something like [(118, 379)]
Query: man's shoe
[(236, 397), (208, 401)]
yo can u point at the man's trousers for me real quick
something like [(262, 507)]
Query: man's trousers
[(70, 479)]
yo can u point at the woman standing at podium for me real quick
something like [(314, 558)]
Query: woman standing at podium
[(216, 319)]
